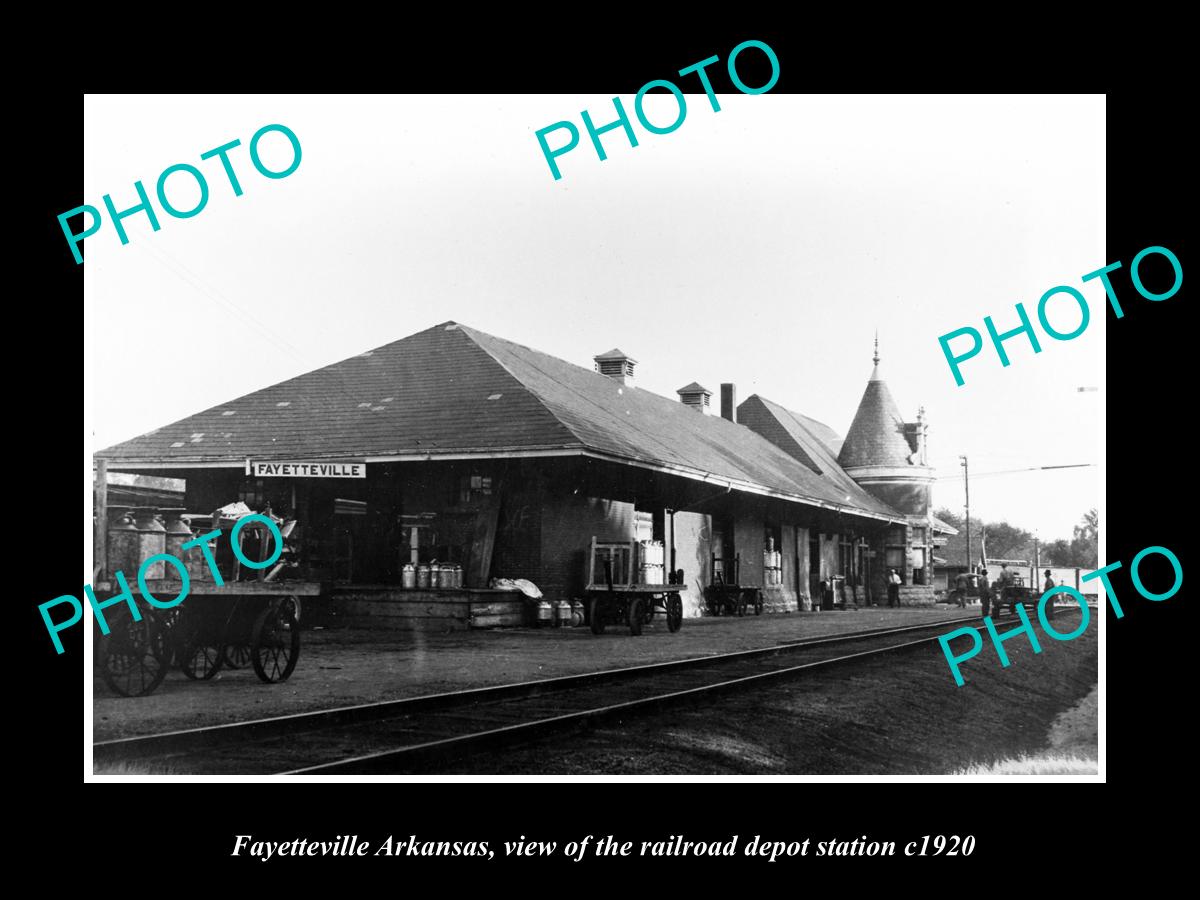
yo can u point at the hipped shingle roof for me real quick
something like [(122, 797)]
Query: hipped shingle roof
[(453, 390)]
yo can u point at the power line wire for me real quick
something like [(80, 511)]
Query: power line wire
[(1011, 471)]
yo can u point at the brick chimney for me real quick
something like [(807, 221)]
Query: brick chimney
[(696, 396), (729, 402), (616, 365)]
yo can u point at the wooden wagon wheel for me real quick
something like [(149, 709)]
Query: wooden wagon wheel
[(596, 615), (201, 660), (674, 613), (275, 645), (130, 655), (199, 655), (758, 603), (236, 656), (740, 603), (635, 615), (164, 635)]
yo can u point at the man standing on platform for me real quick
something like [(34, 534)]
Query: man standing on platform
[(985, 592), (1046, 586), (960, 589), (893, 588)]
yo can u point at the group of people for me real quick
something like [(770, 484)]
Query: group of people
[(1007, 579), (962, 585)]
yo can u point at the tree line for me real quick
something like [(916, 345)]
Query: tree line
[(1005, 541)]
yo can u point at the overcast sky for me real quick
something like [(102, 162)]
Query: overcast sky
[(762, 245)]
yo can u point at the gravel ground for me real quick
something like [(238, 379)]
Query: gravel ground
[(897, 714), (1077, 730), (348, 666)]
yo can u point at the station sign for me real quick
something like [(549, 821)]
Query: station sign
[(300, 469)]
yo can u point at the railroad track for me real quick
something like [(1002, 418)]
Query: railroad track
[(396, 736)]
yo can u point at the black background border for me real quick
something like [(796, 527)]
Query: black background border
[(1148, 398)]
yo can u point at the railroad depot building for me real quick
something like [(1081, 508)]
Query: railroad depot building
[(476, 451)]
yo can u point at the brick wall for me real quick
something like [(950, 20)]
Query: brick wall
[(517, 551), (567, 526), (803, 594), (791, 590), (829, 555), (911, 499), (693, 554)]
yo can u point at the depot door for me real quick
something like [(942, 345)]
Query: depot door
[(814, 568)]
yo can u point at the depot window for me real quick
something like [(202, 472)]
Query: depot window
[(472, 489)]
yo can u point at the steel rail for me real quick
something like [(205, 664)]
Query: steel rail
[(449, 748), (189, 741), (210, 735)]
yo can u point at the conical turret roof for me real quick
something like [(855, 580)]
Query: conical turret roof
[(876, 436)]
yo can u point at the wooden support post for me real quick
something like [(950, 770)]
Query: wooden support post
[(100, 527), (668, 545)]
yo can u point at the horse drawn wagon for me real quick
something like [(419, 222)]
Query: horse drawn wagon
[(244, 615)]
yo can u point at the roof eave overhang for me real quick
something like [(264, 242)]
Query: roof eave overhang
[(749, 487), (694, 474)]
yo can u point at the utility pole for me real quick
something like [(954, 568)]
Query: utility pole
[(967, 489), (1037, 562)]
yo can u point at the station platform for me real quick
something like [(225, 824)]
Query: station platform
[(346, 666)]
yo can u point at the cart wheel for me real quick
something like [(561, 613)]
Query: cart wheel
[(275, 647), (758, 603), (596, 615), (165, 637), (200, 661), (674, 613), (130, 655), (740, 602), (635, 615), (236, 656)]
